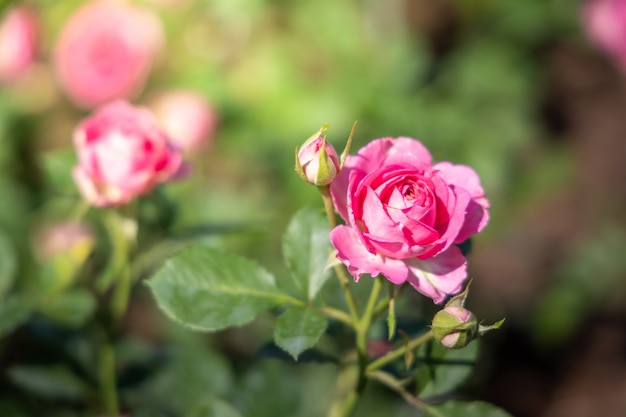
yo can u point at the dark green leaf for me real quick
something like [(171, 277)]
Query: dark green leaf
[(466, 409), (214, 408), (306, 247), (440, 370), (48, 382), (8, 264), (298, 329), (207, 290), (72, 308), (13, 312)]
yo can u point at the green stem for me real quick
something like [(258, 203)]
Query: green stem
[(401, 351), (344, 281), (362, 330), (346, 407), (337, 315), (108, 390), (390, 382)]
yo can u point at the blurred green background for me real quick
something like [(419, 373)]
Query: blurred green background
[(512, 88)]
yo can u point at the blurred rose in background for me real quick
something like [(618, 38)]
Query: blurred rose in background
[(17, 43), (106, 51), (122, 153), (186, 116), (605, 22)]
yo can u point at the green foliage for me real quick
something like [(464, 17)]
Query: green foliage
[(205, 289), (466, 409), (441, 370), (298, 329), (306, 249), (8, 264), (48, 382), (14, 311)]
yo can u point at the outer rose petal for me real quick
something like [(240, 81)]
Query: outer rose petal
[(440, 276), (465, 177), (360, 261)]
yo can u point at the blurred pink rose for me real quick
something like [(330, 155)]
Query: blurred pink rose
[(122, 153), (605, 22), (404, 216), (106, 51), (187, 117), (17, 42)]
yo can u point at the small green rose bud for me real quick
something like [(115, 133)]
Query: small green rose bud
[(454, 327), (317, 161)]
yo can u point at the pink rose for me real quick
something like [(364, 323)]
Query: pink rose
[(605, 22), (17, 43), (404, 216), (122, 153), (187, 117), (106, 51)]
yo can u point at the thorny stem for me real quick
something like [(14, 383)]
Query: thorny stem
[(361, 334)]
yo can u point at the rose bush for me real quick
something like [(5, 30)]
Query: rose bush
[(404, 216), (106, 51), (122, 153)]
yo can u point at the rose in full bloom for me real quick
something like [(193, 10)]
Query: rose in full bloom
[(187, 117), (404, 216), (605, 22), (106, 51), (17, 42), (122, 153)]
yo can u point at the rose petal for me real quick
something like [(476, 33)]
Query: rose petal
[(440, 276), (360, 261), (462, 176)]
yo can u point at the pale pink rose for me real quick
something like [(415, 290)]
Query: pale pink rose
[(187, 117), (17, 43), (605, 22), (122, 153), (106, 51), (404, 216)]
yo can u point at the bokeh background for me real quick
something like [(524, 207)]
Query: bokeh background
[(515, 89)]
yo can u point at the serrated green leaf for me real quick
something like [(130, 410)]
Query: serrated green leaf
[(440, 370), (13, 312), (298, 329), (466, 409), (207, 290), (8, 264), (49, 382), (306, 246)]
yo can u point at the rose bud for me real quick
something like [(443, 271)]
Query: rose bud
[(317, 161), (17, 43), (106, 51), (122, 153), (187, 117), (454, 327)]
